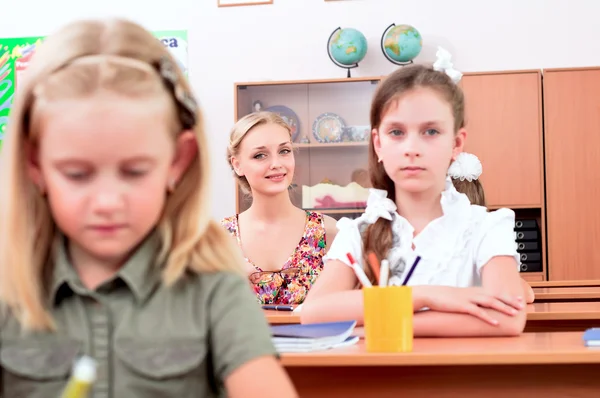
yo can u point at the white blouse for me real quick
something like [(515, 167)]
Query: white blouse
[(453, 248)]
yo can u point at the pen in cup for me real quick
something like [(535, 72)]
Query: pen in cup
[(411, 270), (385, 272), (374, 263), (360, 274)]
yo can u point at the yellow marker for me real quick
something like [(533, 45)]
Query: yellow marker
[(84, 375)]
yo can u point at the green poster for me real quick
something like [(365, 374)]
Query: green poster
[(177, 43), (15, 54), (14, 57)]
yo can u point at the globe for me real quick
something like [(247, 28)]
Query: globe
[(401, 43), (347, 46)]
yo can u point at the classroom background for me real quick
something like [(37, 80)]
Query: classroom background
[(510, 52), (286, 41)]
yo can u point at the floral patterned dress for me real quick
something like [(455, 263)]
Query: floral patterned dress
[(291, 284)]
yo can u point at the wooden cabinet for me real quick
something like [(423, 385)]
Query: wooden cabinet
[(572, 151), (504, 126), (504, 129)]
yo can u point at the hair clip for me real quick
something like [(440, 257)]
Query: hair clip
[(186, 103), (444, 64), (466, 167)]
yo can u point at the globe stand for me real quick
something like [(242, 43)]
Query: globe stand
[(348, 67), (385, 54)]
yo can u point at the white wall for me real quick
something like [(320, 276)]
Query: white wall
[(287, 40)]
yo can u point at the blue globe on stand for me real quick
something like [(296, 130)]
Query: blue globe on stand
[(347, 47), (401, 44)]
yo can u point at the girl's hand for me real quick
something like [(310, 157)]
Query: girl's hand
[(470, 301)]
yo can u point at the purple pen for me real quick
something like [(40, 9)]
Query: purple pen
[(411, 270)]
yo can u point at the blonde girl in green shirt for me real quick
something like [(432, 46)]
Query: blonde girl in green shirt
[(107, 247)]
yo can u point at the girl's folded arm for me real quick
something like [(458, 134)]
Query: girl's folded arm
[(448, 324), (529, 294), (334, 296), (500, 277), (500, 280)]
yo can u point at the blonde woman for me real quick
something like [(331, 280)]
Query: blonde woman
[(283, 245), (106, 244)]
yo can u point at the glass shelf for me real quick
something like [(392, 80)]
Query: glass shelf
[(331, 132)]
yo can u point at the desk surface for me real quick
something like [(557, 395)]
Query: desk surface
[(564, 311), (279, 317), (555, 311), (567, 293), (527, 349), (573, 283), (549, 365)]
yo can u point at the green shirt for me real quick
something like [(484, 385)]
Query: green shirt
[(148, 340)]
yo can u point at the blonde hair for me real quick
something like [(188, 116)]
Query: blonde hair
[(83, 59), (473, 190), (238, 133)]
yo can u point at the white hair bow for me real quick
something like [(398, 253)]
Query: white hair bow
[(466, 167), (443, 63), (378, 206)]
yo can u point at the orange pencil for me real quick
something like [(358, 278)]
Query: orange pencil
[(374, 264)]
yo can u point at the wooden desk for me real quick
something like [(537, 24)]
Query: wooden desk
[(583, 283), (590, 293), (534, 364), (281, 317), (562, 316)]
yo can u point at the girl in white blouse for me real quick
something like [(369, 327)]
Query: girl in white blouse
[(468, 277), (464, 173)]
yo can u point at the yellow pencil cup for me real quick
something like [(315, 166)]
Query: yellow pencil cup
[(388, 313)]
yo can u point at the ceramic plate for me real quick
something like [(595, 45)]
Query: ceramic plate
[(290, 118), (328, 127)]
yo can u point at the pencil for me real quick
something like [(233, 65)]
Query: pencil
[(84, 375), (374, 265), (360, 274)]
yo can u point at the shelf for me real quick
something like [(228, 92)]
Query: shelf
[(514, 207), (360, 144), (304, 102), (338, 211), (372, 79)]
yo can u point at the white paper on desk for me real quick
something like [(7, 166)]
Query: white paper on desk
[(293, 347), (298, 308)]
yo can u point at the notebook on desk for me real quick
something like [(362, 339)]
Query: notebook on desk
[(313, 337), (591, 337)]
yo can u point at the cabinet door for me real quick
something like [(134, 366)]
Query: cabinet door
[(503, 112), (572, 137)]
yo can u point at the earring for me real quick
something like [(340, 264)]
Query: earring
[(171, 185)]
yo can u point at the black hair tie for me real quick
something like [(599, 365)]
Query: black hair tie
[(186, 104)]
